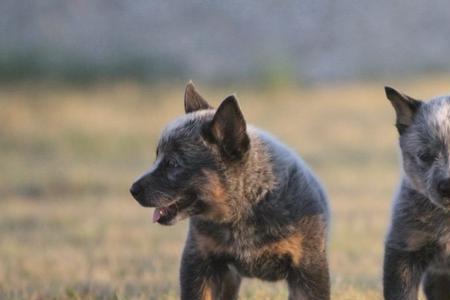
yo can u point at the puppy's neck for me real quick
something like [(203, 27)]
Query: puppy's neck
[(251, 179)]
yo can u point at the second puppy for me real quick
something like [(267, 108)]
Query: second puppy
[(418, 243)]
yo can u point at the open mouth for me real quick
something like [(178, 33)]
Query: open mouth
[(165, 215), (168, 215)]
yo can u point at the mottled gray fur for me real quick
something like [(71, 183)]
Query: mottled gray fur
[(418, 242), (255, 208)]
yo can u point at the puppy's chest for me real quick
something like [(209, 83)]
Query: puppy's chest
[(439, 241), (253, 256), (444, 242)]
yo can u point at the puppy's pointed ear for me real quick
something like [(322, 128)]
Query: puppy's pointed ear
[(229, 130), (405, 108), (192, 99)]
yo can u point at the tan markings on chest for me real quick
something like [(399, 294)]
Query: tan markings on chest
[(206, 291), (445, 242), (291, 246)]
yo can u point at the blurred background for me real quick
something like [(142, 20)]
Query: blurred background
[(87, 86)]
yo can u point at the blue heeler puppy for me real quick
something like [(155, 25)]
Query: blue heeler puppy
[(418, 243), (255, 208)]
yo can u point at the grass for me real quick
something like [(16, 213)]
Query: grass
[(69, 229)]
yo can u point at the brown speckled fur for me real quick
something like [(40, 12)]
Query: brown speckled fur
[(255, 208)]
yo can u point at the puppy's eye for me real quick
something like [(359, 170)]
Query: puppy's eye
[(426, 157), (173, 164), (173, 169)]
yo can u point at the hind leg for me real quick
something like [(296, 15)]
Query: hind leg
[(310, 282), (436, 285)]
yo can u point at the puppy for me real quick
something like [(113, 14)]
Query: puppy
[(255, 208), (418, 243)]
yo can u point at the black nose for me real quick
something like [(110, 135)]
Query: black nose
[(135, 189), (444, 188)]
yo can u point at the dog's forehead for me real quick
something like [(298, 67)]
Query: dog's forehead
[(437, 116), (186, 126), (432, 125)]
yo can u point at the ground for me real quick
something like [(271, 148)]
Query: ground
[(70, 230)]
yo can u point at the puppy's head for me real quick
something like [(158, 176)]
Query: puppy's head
[(424, 129), (194, 151)]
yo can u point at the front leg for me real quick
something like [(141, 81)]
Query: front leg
[(311, 281), (206, 278), (436, 285), (402, 273)]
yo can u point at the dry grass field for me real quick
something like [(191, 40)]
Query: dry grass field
[(70, 230)]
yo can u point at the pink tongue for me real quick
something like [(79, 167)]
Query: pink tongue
[(156, 215)]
